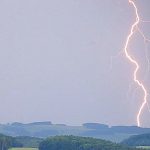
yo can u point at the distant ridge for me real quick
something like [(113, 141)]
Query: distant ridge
[(96, 130), (95, 126), (33, 123)]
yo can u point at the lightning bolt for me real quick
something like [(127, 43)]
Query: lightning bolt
[(133, 61)]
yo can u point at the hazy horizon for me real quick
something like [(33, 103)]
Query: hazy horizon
[(69, 124)]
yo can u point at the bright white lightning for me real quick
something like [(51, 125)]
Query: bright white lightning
[(133, 61)]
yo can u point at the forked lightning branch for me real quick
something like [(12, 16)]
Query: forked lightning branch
[(135, 28)]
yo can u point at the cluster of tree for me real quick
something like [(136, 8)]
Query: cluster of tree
[(27, 141), (79, 143), (138, 140), (6, 142)]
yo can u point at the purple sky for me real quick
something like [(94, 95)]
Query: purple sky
[(55, 61)]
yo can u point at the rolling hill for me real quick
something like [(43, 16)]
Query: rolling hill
[(46, 129), (138, 140)]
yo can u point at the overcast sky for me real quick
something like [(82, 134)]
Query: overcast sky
[(55, 61)]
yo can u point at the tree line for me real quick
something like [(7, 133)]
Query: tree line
[(7, 142), (60, 143), (79, 143)]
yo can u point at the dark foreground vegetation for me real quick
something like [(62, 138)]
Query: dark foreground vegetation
[(70, 143), (7, 142), (79, 143), (27, 141), (138, 140)]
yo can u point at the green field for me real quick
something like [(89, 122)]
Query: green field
[(23, 149), (144, 147)]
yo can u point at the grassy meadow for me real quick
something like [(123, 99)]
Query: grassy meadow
[(23, 149), (144, 147)]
